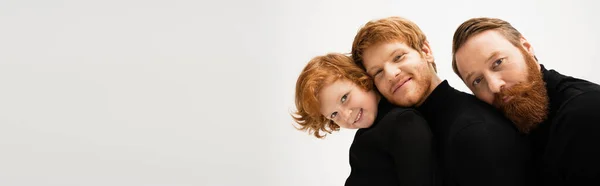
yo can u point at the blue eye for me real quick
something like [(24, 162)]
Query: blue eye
[(476, 81), (398, 57), (498, 62)]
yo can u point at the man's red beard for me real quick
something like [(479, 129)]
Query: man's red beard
[(528, 104)]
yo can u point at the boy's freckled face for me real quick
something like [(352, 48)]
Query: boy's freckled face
[(348, 105)]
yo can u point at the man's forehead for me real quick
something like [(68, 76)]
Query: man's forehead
[(382, 51), (476, 49), (488, 41)]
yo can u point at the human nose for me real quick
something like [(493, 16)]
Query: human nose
[(346, 115), (495, 84), (391, 71)]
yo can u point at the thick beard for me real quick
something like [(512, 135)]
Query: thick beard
[(529, 104)]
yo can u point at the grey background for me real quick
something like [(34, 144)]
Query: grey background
[(184, 92)]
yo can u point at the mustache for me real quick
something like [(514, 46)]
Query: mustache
[(517, 90), (527, 106)]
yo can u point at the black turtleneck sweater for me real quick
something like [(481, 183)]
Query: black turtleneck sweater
[(477, 145), (396, 150), (566, 145)]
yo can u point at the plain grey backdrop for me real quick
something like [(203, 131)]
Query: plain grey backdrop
[(186, 92)]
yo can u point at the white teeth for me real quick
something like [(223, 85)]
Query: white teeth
[(358, 116)]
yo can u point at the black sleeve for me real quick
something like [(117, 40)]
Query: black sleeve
[(484, 155), (411, 148), (579, 134)]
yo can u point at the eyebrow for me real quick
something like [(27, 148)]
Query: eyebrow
[(494, 54), (391, 54)]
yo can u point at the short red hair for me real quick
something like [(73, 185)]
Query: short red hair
[(390, 29)]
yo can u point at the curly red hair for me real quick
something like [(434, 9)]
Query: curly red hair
[(319, 72)]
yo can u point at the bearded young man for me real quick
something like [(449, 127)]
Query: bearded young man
[(559, 112), (476, 144)]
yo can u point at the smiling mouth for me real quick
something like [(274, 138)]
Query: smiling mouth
[(400, 84), (358, 116)]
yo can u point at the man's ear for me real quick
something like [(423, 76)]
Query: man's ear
[(527, 46), (428, 55), (426, 52)]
